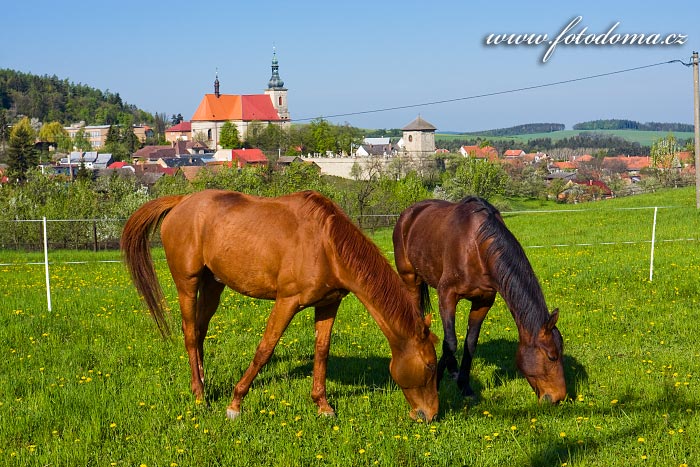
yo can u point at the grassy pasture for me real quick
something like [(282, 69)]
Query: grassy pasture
[(92, 382), (644, 138)]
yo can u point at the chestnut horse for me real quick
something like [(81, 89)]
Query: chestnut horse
[(465, 250), (300, 250)]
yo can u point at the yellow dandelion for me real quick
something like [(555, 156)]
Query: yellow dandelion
[(513, 427), (319, 456), (562, 434), (613, 402), (640, 440), (112, 425), (361, 451), (336, 428)]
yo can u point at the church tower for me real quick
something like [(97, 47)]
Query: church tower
[(277, 91)]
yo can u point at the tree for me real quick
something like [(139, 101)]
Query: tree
[(323, 136), (80, 141), (176, 119), (53, 132), (228, 138), (476, 177), (21, 151), (664, 157)]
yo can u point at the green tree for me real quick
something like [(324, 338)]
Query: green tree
[(476, 177), (664, 153), (54, 133), (228, 138), (81, 142), (323, 136), (21, 150)]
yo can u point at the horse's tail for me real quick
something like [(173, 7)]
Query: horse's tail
[(425, 306), (135, 246)]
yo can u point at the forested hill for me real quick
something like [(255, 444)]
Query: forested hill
[(526, 129), (614, 124), (50, 99)]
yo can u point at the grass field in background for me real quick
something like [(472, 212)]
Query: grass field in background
[(92, 382), (644, 138)]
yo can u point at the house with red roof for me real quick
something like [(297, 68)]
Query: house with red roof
[(240, 109), (488, 153), (241, 157), (513, 153), (180, 132)]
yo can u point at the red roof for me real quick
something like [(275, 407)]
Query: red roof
[(249, 156), (236, 107), (487, 152), (182, 127), (117, 165), (631, 162)]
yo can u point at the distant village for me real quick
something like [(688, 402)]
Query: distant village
[(194, 145)]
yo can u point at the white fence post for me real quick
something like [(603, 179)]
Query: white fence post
[(653, 240), (46, 266)]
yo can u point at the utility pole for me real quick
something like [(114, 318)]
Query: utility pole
[(696, 98)]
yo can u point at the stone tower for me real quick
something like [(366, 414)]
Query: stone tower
[(277, 91), (419, 138)]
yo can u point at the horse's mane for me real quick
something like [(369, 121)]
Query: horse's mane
[(517, 282), (371, 268)]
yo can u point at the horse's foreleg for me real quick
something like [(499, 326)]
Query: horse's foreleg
[(478, 312), (448, 306), (207, 302), (282, 313), (324, 317)]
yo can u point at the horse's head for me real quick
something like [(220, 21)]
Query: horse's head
[(413, 367), (540, 360)]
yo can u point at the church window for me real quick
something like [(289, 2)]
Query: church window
[(410, 138)]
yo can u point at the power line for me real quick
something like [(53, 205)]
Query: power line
[(496, 93)]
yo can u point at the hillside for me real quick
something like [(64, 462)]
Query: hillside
[(49, 98)]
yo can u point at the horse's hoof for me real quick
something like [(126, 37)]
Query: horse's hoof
[(232, 414), (326, 413)]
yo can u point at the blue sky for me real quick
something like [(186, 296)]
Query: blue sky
[(339, 58)]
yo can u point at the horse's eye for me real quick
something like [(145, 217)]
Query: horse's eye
[(431, 367), (553, 358)]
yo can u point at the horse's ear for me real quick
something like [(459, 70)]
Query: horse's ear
[(552, 321), (427, 320)]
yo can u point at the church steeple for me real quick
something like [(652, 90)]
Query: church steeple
[(275, 81), (216, 84)]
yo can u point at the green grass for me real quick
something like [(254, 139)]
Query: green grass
[(644, 138), (92, 383)]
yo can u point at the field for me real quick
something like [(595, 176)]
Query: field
[(92, 382), (644, 138)]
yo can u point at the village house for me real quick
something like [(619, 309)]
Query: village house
[(488, 153)]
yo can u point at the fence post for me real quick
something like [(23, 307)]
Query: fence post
[(653, 239), (46, 266), (94, 235)]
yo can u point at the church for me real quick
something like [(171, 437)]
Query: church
[(216, 109)]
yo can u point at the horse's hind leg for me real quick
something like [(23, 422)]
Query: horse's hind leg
[(478, 312), (208, 298), (282, 313), (198, 296), (187, 296), (448, 306)]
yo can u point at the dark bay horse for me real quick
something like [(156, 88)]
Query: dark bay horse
[(465, 250), (300, 250)]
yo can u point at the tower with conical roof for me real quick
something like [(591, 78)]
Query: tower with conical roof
[(277, 91), (419, 138)]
